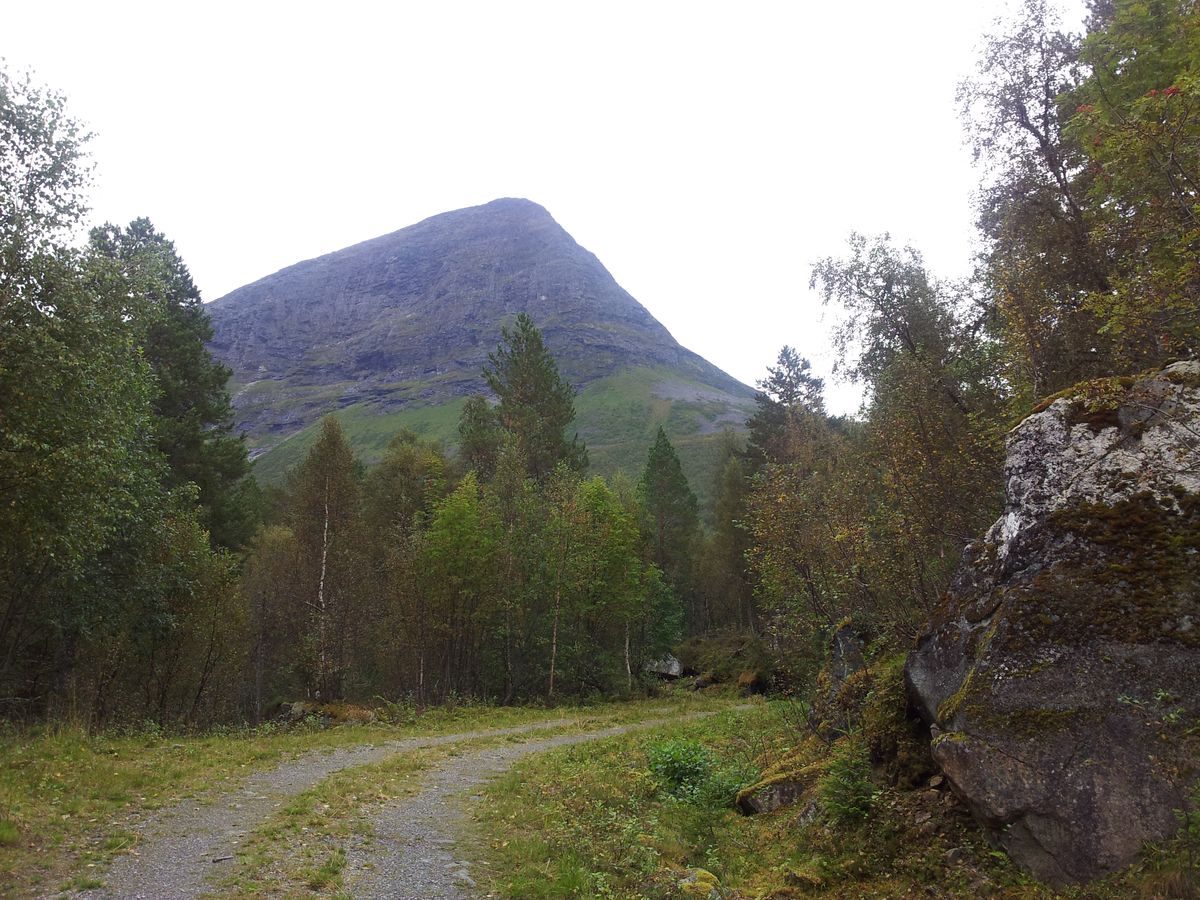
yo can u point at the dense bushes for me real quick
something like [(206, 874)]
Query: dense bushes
[(692, 773)]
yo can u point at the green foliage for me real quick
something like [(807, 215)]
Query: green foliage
[(193, 417), (479, 436), (110, 596), (680, 765), (44, 173), (535, 404), (617, 416), (325, 519), (1089, 204), (669, 513), (846, 791), (724, 654), (689, 771), (788, 395), (1136, 118), (868, 518)]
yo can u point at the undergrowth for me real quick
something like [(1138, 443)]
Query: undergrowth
[(618, 819)]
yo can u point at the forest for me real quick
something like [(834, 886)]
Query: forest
[(145, 575)]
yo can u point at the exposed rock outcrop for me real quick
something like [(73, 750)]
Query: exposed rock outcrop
[(1061, 672)]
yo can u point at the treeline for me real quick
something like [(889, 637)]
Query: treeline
[(144, 576), (1089, 147), (122, 491), (503, 573)]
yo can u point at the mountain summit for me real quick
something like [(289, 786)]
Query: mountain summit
[(394, 332)]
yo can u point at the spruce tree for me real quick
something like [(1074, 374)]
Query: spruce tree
[(192, 410), (669, 507), (789, 394), (535, 404), (479, 436)]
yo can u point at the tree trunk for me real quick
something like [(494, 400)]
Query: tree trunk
[(322, 653), (554, 637), (628, 668), (508, 575)]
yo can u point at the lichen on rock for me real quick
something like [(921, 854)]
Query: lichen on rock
[(1060, 671)]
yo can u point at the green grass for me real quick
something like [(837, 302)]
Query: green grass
[(369, 431), (329, 873), (595, 822), (616, 416)]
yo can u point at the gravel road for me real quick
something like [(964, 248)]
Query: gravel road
[(412, 853), (178, 848)]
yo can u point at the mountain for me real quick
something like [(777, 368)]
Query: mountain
[(394, 332)]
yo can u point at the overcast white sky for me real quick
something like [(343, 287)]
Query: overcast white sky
[(708, 153)]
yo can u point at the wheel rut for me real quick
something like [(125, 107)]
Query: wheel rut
[(181, 848), (413, 852)]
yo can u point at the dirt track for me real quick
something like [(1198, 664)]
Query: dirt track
[(411, 854)]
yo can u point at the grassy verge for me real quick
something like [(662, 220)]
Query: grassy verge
[(69, 799), (603, 821), (594, 822)]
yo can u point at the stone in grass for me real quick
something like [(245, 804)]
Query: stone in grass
[(1060, 671), (701, 883), (788, 781), (668, 667), (770, 796)]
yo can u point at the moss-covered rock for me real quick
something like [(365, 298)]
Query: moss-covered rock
[(1059, 675), (790, 779), (842, 684), (700, 883)]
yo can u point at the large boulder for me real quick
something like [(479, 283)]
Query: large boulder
[(668, 667), (1060, 673)]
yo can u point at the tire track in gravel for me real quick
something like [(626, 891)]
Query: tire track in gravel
[(411, 855), (181, 847)]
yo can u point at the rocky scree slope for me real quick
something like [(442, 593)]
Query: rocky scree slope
[(404, 322), (1059, 676)]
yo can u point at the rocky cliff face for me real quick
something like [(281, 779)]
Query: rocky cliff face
[(408, 319), (1060, 675)]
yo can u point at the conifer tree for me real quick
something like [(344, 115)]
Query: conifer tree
[(479, 436), (192, 410), (535, 404), (669, 510), (789, 394)]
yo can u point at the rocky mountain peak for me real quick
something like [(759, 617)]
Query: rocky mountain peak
[(406, 320)]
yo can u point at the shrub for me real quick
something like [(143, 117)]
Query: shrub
[(725, 655), (680, 766), (846, 790), (720, 789), (689, 771)]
